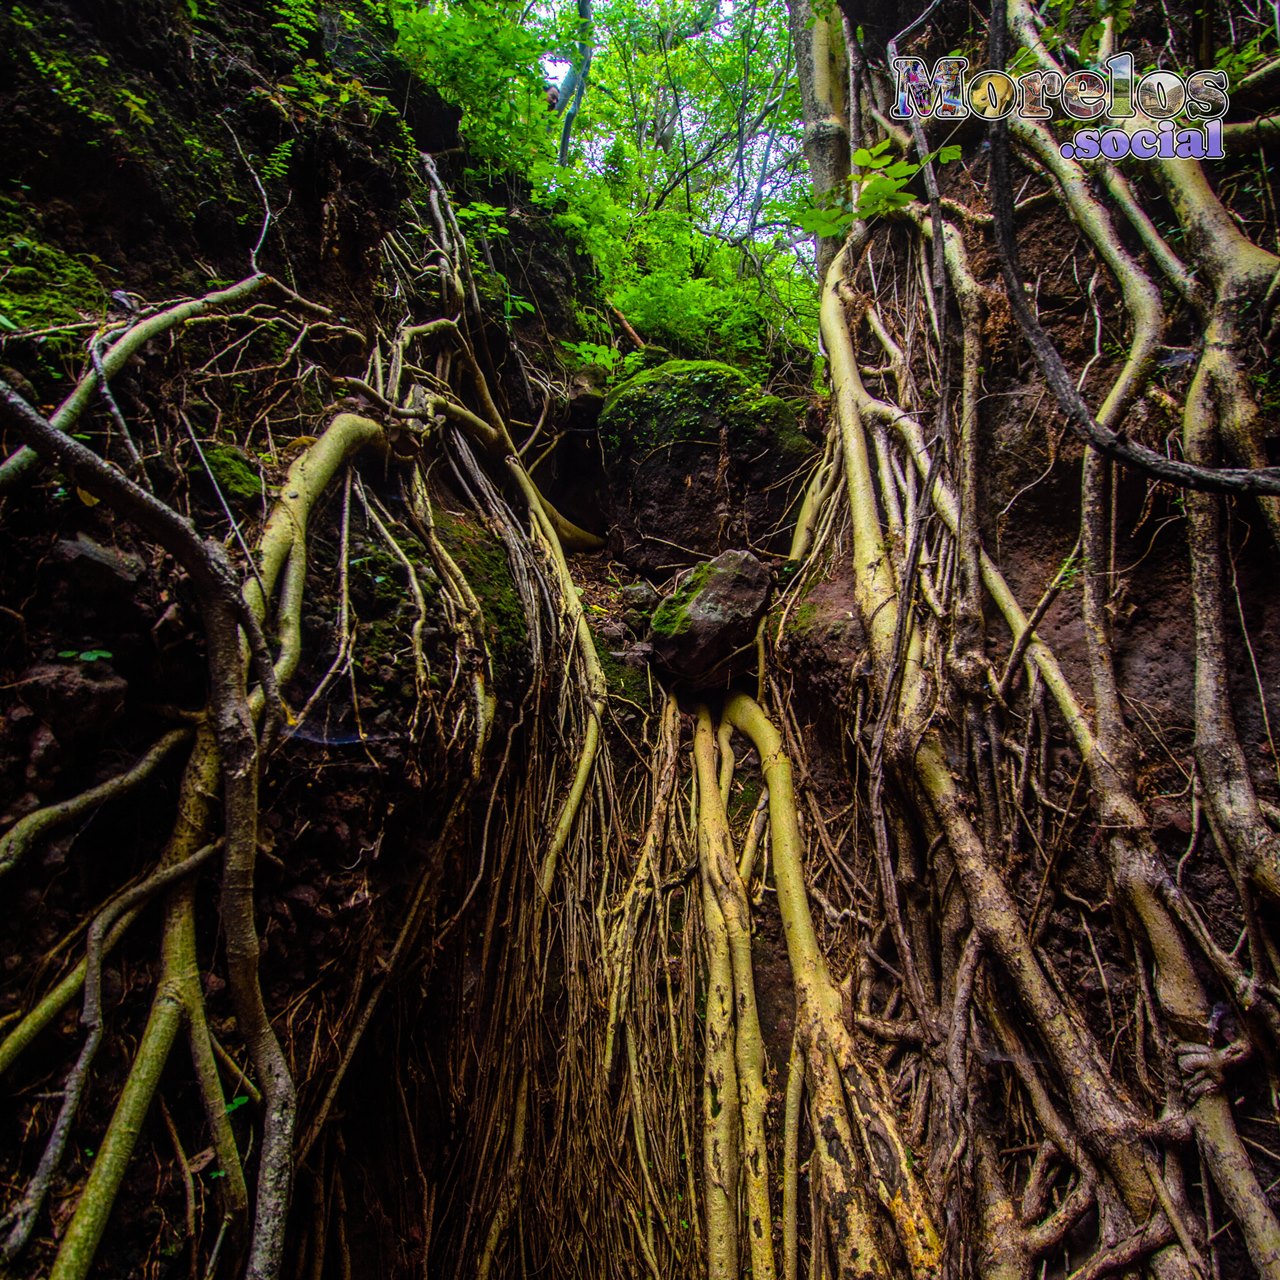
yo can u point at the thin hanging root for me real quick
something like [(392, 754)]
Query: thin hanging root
[(822, 484), (720, 1097), (619, 950), (465, 613), (491, 435), (995, 913), (582, 649), (597, 688), (841, 1088), (177, 995), (231, 753), (1135, 863), (420, 605), (791, 1162), (721, 879), (510, 1194), (1133, 859), (1103, 1114), (652, 1202)]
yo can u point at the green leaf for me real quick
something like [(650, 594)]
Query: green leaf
[(824, 222), (880, 195), (237, 1102), (902, 169)]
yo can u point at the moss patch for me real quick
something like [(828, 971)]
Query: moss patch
[(804, 616), (695, 400), (483, 560), (624, 681), (744, 797), (40, 285), (236, 476), (671, 617)]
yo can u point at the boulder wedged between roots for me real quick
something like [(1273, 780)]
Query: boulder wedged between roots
[(701, 634), (698, 460)]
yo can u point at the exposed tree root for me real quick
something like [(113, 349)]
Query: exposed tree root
[(1017, 1026)]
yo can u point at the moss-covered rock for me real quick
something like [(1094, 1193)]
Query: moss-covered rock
[(698, 459), (701, 633), (675, 400), (672, 618)]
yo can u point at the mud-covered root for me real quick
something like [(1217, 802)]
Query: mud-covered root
[(736, 1098), (21, 1219), (859, 1152)]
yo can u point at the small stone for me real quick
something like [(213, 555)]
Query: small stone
[(641, 596), (611, 631), (636, 655)]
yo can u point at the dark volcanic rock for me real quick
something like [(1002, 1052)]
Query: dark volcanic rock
[(96, 568), (698, 460), (641, 599), (74, 699), (699, 633)]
